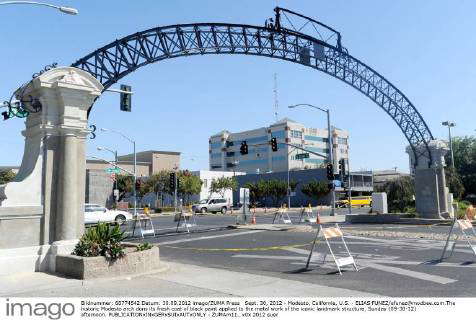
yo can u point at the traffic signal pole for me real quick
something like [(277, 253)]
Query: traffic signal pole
[(331, 159), (135, 180)]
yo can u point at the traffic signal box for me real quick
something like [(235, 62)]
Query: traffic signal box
[(244, 148), (172, 180), (330, 171), (126, 98), (274, 144), (342, 170)]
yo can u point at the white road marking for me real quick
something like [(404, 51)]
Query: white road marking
[(210, 237), (410, 273), (396, 270)]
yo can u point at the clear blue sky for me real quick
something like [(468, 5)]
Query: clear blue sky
[(426, 48)]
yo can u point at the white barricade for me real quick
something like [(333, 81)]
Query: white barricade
[(142, 223), (282, 214), (465, 226), (306, 213), (329, 233), (187, 219)]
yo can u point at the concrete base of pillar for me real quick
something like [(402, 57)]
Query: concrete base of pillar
[(35, 258), (430, 193)]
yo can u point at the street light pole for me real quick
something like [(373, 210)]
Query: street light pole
[(114, 152), (135, 165), (450, 125), (66, 10), (331, 145)]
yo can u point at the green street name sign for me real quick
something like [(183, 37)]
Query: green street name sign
[(300, 156), (113, 170)]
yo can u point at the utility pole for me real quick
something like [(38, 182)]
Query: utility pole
[(349, 187), (331, 147), (450, 124)]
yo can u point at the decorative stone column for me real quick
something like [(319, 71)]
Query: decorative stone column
[(53, 170), (430, 184)]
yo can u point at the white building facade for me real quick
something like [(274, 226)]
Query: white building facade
[(207, 178), (224, 148)]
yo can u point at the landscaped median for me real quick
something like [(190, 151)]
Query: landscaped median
[(101, 253)]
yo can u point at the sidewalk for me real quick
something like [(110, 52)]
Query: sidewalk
[(176, 280)]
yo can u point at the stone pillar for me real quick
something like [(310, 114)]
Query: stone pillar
[(52, 174), (430, 184)]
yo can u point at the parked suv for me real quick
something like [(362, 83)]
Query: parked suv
[(211, 205)]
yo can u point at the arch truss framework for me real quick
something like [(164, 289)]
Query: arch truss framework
[(121, 57)]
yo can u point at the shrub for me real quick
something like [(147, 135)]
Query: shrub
[(144, 246), (101, 240)]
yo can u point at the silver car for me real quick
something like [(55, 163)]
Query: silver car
[(211, 205)]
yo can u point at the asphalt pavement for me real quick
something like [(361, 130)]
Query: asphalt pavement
[(387, 266)]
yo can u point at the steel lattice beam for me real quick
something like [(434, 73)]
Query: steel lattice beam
[(121, 57)]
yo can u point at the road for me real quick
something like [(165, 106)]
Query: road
[(387, 266)]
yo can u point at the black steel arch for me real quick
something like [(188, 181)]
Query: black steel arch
[(121, 57)]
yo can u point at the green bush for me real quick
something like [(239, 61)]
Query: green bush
[(144, 246), (101, 240)]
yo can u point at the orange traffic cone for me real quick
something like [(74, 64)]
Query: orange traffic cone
[(253, 219), (318, 217)]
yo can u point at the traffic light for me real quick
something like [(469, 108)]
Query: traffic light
[(342, 168), (126, 98), (172, 181), (330, 171), (244, 148), (274, 144)]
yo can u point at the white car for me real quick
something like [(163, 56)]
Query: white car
[(94, 213)]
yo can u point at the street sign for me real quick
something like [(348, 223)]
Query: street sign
[(113, 170), (337, 183), (301, 156)]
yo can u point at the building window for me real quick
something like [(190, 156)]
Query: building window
[(341, 140), (230, 154), (216, 166), (296, 134), (315, 138)]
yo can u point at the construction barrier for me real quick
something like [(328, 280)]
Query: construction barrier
[(329, 233), (142, 223), (466, 228), (306, 213), (282, 213), (187, 219)]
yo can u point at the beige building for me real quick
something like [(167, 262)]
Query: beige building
[(148, 162)]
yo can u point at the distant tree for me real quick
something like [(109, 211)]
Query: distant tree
[(400, 194), (265, 190), (315, 189), (277, 190), (222, 184), (125, 183), (293, 185), (159, 184), (6, 176), (188, 185), (464, 150), (454, 183)]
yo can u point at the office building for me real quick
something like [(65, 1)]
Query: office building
[(224, 148)]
